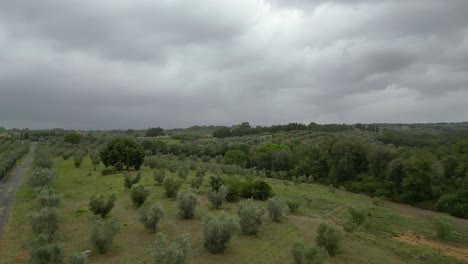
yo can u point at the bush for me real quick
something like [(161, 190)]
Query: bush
[(95, 159), (78, 258), (45, 221), (293, 204), (109, 171), (66, 154), (217, 198), (101, 205), (130, 180), (171, 186), (43, 160), (234, 185), (250, 217), (183, 172), (216, 182), (329, 237), (41, 178), (44, 253), (258, 190), (150, 217), (103, 233), (443, 227), (377, 200), (78, 158), (275, 209), (176, 252), (186, 202), (358, 215), (200, 172), (158, 176), (307, 255), (218, 231), (138, 194), (150, 161), (47, 198)]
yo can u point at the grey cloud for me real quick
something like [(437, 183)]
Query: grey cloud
[(107, 64)]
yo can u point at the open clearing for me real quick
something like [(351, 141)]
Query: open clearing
[(376, 242)]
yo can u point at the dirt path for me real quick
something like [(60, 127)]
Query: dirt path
[(456, 251), (10, 184)]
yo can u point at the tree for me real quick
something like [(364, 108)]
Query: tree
[(72, 137), (154, 132), (159, 176), (125, 151), (217, 198), (150, 217), (78, 158), (45, 221), (293, 204), (307, 254), (130, 180), (417, 183), (217, 232), (275, 209), (176, 252), (250, 217), (235, 157), (171, 186), (41, 178), (43, 252), (103, 233), (101, 205), (329, 236), (186, 202), (95, 159), (47, 198), (138, 194)]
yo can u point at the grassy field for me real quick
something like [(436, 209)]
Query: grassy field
[(377, 242)]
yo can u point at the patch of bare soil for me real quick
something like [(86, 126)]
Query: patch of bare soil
[(456, 251)]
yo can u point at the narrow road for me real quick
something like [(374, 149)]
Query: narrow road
[(10, 184)]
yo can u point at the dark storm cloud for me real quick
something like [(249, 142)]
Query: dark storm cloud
[(121, 64)]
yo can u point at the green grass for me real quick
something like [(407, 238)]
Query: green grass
[(372, 243)]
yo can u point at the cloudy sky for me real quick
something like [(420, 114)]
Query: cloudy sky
[(138, 63)]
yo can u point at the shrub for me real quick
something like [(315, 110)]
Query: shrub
[(377, 200), (196, 182), (329, 237), (183, 172), (66, 154), (43, 160), (331, 189), (186, 202), (293, 204), (41, 178), (217, 198), (218, 231), (258, 190), (150, 217), (358, 215), (43, 252), (45, 221), (138, 194), (234, 185), (101, 205), (200, 172), (129, 180), (47, 198), (275, 209), (159, 176), (216, 182), (150, 161), (95, 159), (171, 186), (78, 158), (176, 252), (78, 258), (307, 254), (250, 217), (443, 227), (103, 233), (109, 171)]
